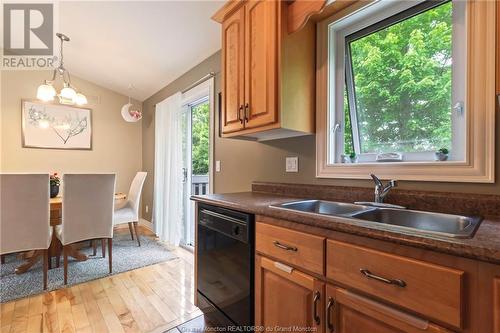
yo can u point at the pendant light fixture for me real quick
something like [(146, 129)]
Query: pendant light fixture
[(130, 114), (68, 94)]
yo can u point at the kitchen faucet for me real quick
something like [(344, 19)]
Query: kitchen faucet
[(381, 191)]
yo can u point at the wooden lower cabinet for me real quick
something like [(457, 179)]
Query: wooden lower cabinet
[(348, 312), (287, 299), (496, 305)]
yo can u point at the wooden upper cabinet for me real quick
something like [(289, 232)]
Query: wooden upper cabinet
[(287, 298), (267, 72), (261, 63), (348, 312), (498, 53), (233, 46)]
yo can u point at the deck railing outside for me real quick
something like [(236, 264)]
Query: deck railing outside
[(199, 184)]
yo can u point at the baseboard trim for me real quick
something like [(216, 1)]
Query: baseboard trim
[(146, 224)]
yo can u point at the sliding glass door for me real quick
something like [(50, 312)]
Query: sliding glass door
[(196, 161)]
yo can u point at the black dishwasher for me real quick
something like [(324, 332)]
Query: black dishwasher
[(225, 263)]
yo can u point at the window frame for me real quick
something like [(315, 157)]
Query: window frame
[(478, 164)]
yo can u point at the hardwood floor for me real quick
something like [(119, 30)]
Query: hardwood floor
[(155, 298)]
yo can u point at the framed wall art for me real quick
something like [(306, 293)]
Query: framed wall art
[(56, 126)]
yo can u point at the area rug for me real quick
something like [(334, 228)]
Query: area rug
[(126, 256)]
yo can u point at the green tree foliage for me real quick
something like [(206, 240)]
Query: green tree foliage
[(200, 141), (402, 77)]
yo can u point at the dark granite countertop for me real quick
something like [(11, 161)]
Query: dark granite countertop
[(485, 245)]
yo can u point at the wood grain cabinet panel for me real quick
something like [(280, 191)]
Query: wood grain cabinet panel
[(268, 75), (261, 63), (287, 299), (348, 312), (498, 52), (431, 290), (233, 46), (292, 247), (496, 305)]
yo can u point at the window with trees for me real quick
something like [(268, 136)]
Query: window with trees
[(406, 89)]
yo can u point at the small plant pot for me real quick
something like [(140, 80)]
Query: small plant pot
[(54, 191), (439, 156)]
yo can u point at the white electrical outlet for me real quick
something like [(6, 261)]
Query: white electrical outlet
[(147, 209), (217, 166), (292, 164)]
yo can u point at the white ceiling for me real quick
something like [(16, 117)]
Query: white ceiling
[(145, 43)]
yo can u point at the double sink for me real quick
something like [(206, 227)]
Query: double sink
[(429, 223)]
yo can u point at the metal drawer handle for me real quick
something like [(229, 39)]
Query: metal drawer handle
[(285, 247), (240, 110), (329, 308), (316, 299), (247, 112), (396, 282)]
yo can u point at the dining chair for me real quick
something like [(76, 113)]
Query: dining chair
[(25, 216), (128, 211), (87, 212)]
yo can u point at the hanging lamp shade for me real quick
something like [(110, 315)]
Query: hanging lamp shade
[(46, 92), (80, 99)]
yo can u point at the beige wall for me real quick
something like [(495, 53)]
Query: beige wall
[(247, 161), (116, 144)]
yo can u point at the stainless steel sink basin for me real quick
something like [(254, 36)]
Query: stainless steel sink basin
[(425, 222), (447, 225), (325, 207)]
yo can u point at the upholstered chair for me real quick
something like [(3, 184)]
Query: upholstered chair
[(87, 213), (25, 216), (128, 211)]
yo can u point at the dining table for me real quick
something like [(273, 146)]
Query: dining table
[(55, 249)]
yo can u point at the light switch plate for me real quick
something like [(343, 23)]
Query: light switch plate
[(292, 164), (217, 166)]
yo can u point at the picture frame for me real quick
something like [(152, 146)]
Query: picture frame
[(55, 126)]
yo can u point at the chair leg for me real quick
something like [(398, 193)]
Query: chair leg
[(58, 259), (110, 254), (130, 229), (94, 247), (65, 263), (103, 247), (2, 258), (45, 267), (137, 234)]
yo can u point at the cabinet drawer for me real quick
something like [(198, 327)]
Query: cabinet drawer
[(294, 247), (431, 290)]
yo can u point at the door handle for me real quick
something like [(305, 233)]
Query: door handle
[(316, 299), (329, 308), (247, 112), (370, 275), (285, 247), (240, 110), (184, 175)]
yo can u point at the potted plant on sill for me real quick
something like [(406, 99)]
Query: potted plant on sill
[(442, 154), (351, 158), (55, 181)]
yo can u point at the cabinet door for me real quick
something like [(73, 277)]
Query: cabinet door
[(233, 46), (261, 62), (347, 312), (287, 298), (496, 305)]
